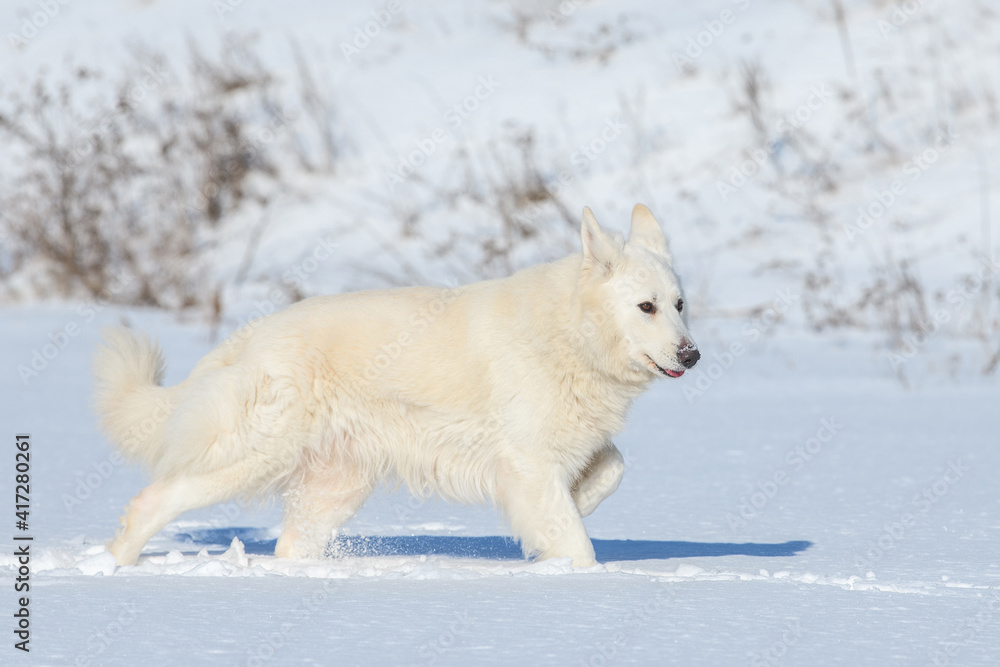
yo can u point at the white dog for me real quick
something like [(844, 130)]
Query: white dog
[(506, 391)]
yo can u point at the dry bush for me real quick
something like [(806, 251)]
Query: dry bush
[(318, 107), (862, 138), (211, 140), (892, 300), (121, 198), (76, 211), (551, 28), (752, 84), (519, 198), (509, 199)]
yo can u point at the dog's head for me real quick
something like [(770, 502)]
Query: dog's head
[(632, 286)]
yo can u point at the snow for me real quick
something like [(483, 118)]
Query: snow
[(793, 500), (798, 582)]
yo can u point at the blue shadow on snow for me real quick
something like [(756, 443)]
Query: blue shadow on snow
[(255, 541)]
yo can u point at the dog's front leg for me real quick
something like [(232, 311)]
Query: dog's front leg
[(543, 515), (599, 479)]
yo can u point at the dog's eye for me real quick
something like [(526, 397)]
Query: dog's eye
[(680, 305), (647, 307)]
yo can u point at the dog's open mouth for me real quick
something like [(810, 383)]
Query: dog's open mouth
[(668, 373)]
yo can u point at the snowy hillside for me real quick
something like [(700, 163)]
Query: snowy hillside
[(818, 490)]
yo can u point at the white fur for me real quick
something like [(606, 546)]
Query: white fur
[(506, 391)]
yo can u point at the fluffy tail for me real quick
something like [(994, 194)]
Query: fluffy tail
[(132, 407)]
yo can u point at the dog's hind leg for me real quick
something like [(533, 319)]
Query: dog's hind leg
[(164, 500), (599, 479), (318, 501)]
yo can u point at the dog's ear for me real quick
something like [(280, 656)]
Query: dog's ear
[(647, 233), (600, 252)]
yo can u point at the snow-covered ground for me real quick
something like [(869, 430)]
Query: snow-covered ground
[(811, 499), (804, 509)]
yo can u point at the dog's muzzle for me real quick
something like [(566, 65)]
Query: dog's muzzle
[(688, 354)]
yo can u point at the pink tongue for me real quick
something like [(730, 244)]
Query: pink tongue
[(674, 374)]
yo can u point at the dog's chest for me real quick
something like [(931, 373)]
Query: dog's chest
[(570, 413)]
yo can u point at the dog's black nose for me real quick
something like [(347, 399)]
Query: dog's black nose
[(688, 355)]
